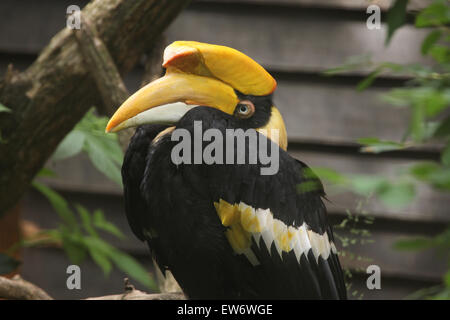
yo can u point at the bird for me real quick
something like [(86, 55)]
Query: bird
[(222, 226)]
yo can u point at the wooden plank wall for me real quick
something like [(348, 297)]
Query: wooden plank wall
[(295, 40)]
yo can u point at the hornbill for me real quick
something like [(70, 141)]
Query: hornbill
[(224, 229)]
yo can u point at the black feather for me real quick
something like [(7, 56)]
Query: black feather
[(176, 202)]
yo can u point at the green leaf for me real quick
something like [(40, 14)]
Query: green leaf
[(101, 260), (100, 222), (99, 252), (424, 170), (396, 18), (445, 155), (4, 109), (430, 129), (45, 172), (352, 63), (393, 67), (70, 146), (58, 203), (430, 99), (364, 84), (366, 185), (86, 220), (443, 130), (402, 97), (447, 279), (98, 153), (418, 243), (369, 140), (436, 175), (440, 179), (134, 269), (103, 149), (430, 40), (375, 145), (7, 264), (393, 195), (397, 97), (425, 293), (325, 174), (440, 53), (444, 294), (435, 101), (123, 261), (73, 245), (308, 186), (397, 195), (436, 14)]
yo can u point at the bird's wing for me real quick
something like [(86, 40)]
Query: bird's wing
[(133, 168), (279, 224), (272, 224)]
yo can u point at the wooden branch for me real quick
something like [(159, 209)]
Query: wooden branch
[(104, 72), (139, 295), (52, 95), (101, 67), (19, 289), (132, 294)]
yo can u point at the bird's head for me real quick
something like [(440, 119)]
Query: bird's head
[(200, 74)]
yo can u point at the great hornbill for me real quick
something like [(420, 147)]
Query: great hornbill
[(224, 230)]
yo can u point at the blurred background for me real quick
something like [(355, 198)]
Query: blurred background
[(296, 41)]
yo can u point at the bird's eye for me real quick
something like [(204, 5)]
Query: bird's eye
[(244, 109)]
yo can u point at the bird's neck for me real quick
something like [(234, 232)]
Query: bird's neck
[(275, 125)]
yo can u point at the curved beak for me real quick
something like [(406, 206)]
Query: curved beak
[(158, 100), (197, 74)]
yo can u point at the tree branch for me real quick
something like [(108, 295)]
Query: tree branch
[(19, 289), (139, 295), (101, 67), (52, 95), (104, 72), (132, 294)]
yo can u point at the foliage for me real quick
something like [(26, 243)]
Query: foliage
[(103, 150), (4, 109), (395, 191), (396, 17), (427, 96), (79, 231), (441, 243), (79, 236), (352, 231), (356, 226)]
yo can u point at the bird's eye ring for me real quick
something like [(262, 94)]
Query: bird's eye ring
[(244, 109)]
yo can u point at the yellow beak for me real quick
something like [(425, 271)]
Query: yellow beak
[(197, 74)]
